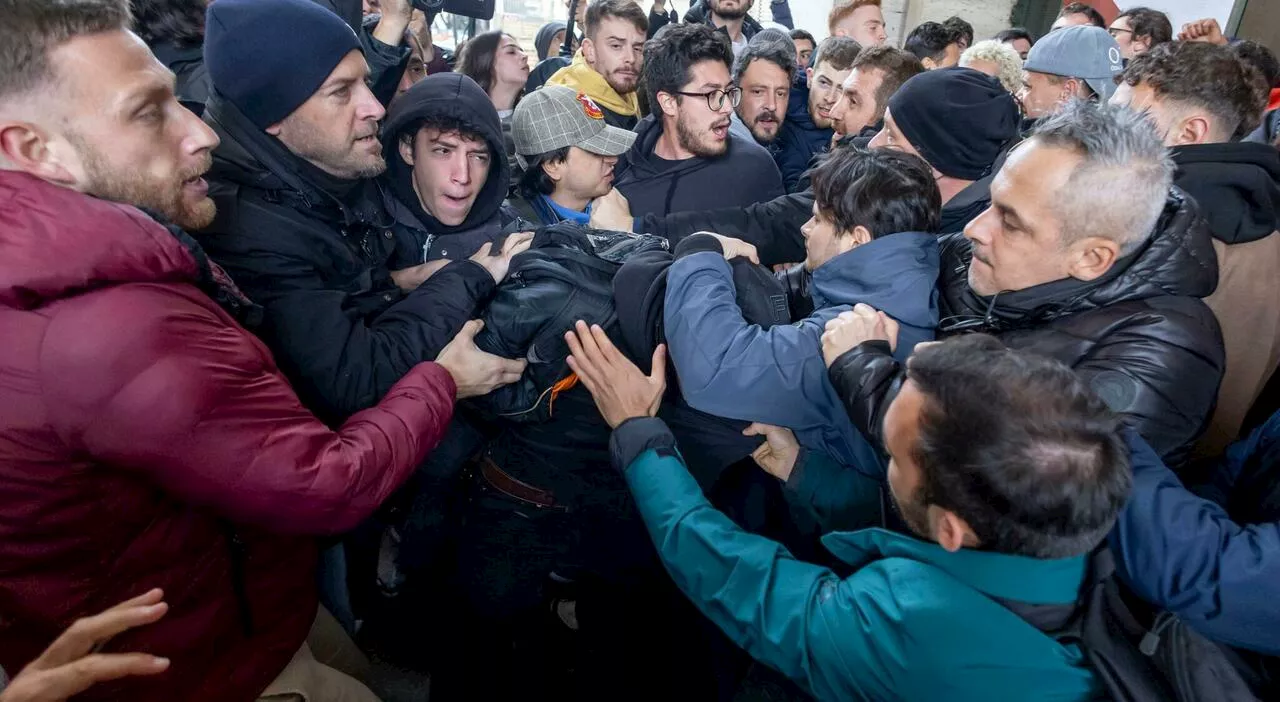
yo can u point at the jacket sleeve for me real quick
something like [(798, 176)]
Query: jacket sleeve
[(793, 160), (798, 618), (345, 363), (840, 499), (773, 227), (867, 378), (730, 368), (1162, 370), (1185, 554), (386, 65), (190, 401), (782, 13)]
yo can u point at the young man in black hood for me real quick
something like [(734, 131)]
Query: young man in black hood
[(446, 178), (1202, 98), (685, 156)]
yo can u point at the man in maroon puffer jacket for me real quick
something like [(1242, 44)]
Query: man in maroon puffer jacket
[(146, 439)]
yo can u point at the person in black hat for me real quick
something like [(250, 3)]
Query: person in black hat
[(960, 121), (301, 226)]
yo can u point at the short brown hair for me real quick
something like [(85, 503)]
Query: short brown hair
[(628, 10), (898, 67), (1207, 76), (841, 10), (30, 29), (840, 52)]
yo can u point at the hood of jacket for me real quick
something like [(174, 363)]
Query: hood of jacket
[(580, 76), (641, 163), (454, 97), (1176, 260), (56, 242), (886, 273), (1236, 184), (250, 158)]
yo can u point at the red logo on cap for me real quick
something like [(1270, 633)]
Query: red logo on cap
[(590, 107)]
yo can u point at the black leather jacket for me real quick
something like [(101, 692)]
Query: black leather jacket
[(1140, 334)]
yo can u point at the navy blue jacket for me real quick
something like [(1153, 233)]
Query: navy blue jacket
[(799, 139), (1184, 553), (732, 369)]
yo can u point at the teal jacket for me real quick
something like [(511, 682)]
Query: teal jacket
[(913, 621)]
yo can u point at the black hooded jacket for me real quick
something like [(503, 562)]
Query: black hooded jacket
[(1236, 184), (317, 263), (744, 175), (1139, 335), (420, 237)]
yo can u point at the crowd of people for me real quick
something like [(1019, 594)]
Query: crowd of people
[(689, 348)]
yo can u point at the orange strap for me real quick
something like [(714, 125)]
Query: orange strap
[(564, 385)]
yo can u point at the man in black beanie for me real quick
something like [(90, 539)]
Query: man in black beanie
[(959, 121), (301, 225)]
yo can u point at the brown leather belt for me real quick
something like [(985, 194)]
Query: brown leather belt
[(515, 489)]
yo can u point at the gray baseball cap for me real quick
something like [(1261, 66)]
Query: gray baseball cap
[(1083, 51), (556, 116)]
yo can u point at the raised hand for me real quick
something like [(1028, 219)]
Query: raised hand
[(477, 372), (863, 323), (620, 390)]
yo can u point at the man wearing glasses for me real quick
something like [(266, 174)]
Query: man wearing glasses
[(685, 157)]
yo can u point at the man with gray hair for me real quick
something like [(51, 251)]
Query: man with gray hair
[(1110, 286), (763, 71)]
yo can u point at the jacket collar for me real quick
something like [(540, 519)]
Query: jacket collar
[(1237, 184), (251, 158), (1177, 259), (56, 242), (883, 273), (1019, 578), (582, 77)]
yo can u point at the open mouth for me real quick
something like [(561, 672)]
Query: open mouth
[(721, 132), (196, 184)]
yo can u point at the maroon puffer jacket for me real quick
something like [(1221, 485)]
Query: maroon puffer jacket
[(145, 438)]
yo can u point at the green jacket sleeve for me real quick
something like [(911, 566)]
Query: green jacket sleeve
[(841, 499), (799, 618)]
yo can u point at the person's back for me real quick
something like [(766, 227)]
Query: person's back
[(685, 156), (987, 446), (1203, 98), (869, 242)]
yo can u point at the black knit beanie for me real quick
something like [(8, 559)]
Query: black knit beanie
[(267, 57), (958, 119)]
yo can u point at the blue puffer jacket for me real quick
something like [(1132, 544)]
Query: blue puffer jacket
[(1185, 553), (732, 369), (799, 139)]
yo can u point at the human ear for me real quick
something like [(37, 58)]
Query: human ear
[(1091, 258)]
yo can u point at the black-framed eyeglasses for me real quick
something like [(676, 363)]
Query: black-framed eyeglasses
[(1116, 30), (715, 99)]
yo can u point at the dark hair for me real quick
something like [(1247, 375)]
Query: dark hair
[(930, 41), (669, 57), (30, 30), (803, 35), (1014, 34), (1018, 446), (599, 10), (779, 54), (533, 180), (962, 29), (1079, 8), (897, 65), (1261, 58), (773, 34), (476, 58), (883, 190), (445, 125), (840, 52), (180, 22), (1210, 77), (1146, 22)]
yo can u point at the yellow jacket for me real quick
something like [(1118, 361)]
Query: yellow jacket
[(584, 79)]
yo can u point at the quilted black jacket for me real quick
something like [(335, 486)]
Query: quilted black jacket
[(1140, 334)]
